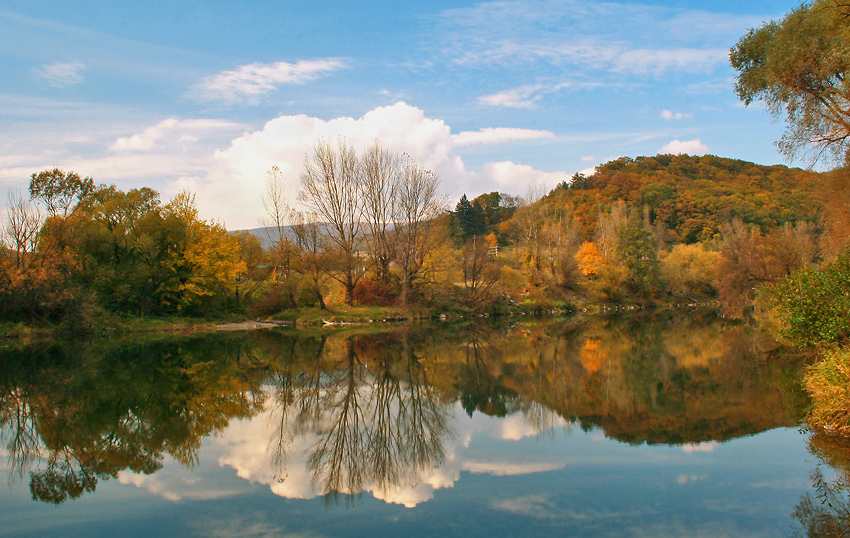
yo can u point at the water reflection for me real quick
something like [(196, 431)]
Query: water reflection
[(825, 512), (339, 414)]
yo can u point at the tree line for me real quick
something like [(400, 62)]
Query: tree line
[(376, 231)]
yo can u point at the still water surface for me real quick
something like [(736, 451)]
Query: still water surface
[(661, 425)]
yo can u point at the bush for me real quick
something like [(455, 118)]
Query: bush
[(813, 305), (370, 292), (273, 298)]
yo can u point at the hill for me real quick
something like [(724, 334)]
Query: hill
[(693, 195)]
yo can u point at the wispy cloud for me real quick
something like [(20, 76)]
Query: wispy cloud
[(246, 83), (528, 96), (171, 131), (604, 36), (61, 74), (498, 135)]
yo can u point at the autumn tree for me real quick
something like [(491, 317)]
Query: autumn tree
[(23, 222), (59, 190), (203, 260), (798, 66)]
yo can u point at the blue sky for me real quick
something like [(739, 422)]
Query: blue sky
[(493, 95)]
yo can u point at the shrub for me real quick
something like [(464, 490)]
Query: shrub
[(813, 305), (370, 292)]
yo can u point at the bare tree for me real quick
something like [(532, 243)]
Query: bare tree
[(418, 206), (531, 217), (279, 215), (313, 263), (23, 222), (480, 273), (608, 229), (330, 185), (380, 184)]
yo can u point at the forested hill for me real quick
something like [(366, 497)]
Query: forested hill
[(693, 195)]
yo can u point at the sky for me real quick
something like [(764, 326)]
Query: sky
[(497, 95)]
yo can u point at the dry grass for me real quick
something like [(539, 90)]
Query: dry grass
[(828, 383)]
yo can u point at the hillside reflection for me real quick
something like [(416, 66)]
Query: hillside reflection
[(359, 412)]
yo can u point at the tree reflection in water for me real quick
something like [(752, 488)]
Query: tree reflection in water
[(826, 513), (376, 409), (379, 423), (78, 414)]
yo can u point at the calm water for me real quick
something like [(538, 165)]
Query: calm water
[(655, 425)]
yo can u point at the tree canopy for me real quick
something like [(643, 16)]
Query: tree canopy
[(797, 66)]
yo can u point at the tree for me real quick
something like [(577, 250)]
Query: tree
[(418, 206), (313, 263), (279, 215), (479, 272), (636, 252), (468, 219), (23, 222), (202, 262), (58, 190), (797, 66), (380, 183), (330, 185)]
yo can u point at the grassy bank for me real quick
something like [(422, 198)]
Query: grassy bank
[(828, 383)]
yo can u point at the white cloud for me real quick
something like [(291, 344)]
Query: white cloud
[(528, 96), (510, 468), (515, 178), (170, 131), (61, 74), (247, 82), (522, 97), (700, 447), (656, 62), (691, 147), (236, 188), (670, 115), (498, 135), (146, 139), (605, 36), (226, 166)]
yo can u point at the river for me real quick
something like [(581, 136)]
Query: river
[(662, 424)]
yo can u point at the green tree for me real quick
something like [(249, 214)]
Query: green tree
[(636, 251), (469, 220), (797, 66)]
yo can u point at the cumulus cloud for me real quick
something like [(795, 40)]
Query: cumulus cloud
[(61, 74), (247, 82), (226, 165), (285, 142), (498, 135), (691, 147), (508, 176), (670, 115)]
